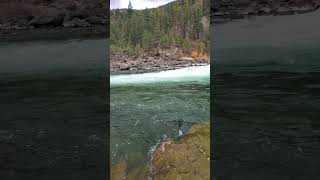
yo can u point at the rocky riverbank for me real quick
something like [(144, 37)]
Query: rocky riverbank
[(225, 10), (157, 60), (50, 14), (187, 159), (26, 15)]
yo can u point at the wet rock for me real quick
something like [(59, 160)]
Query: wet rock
[(140, 172), (187, 159), (120, 171)]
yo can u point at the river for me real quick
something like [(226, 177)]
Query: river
[(265, 94), (53, 109), (266, 98), (145, 108)]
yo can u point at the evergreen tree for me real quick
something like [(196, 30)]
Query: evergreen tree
[(176, 24)]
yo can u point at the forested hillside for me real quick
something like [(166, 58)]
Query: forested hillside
[(182, 23)]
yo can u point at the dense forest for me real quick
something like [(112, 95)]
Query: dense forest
[(182, 23)]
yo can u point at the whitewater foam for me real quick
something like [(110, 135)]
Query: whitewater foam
[(196, 73)]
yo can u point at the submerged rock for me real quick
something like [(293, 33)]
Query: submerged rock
[(187, 159), (118, 171)]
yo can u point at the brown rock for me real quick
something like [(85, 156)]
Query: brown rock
[(118, 171), (187, 159)]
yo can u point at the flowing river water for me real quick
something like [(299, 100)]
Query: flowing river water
[(145, 108), (53, 109), (266, 98), (265, 94)]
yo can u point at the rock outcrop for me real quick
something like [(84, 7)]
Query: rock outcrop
[(226, 10), (187, 158)]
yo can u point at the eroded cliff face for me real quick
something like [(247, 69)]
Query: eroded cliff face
[(31, 14), (226, 10)]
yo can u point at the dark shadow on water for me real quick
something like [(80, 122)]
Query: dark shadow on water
[(266, 99), (53, 108)]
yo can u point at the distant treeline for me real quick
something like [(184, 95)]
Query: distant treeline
[(182, 23)]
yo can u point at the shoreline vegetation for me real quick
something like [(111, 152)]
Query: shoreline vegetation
[(172, 36)]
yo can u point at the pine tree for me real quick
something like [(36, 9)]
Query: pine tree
[(177, 24), (130, 5)]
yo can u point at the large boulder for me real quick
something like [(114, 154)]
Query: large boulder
[(187, 158)]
